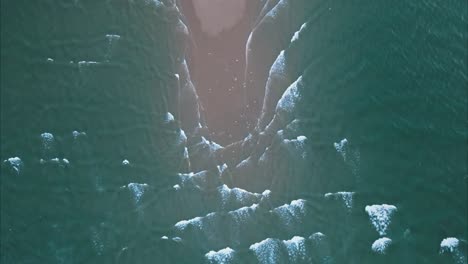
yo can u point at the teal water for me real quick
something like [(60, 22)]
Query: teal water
[(388, 76)]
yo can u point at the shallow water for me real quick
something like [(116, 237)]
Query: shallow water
[(84, 96)]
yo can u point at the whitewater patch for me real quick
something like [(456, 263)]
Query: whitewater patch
[(380, 245), (137, 189), (296, 35), (291, 214), (381, 216), (267, 250), (223, 256), (346, 197), (15, 163)]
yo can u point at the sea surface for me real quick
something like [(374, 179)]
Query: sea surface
[(391, 79)]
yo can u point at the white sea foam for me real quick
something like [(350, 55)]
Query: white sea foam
[(198, 180), (279, 65), (296, 146), (112, 37), (168, 117), (296, 35), (267, 250), (77, 134), (240, 196), (266, 193), (222, 168), (15, 163), (290, 214), (182, 140), (290, 97), (381, 216), (449, 244), (317, 237), (182, 225), (213, 146), (351, 156), (346, 197), (137, 189), (380, 245), (186, 153), (47, 140), (341, 147), (87, 63), (296, 248), (223, 256)]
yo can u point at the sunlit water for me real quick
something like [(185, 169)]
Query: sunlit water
[(86, 145)]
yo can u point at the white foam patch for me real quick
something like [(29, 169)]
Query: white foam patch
[(186, 153), (137, 189), (317, 237), (239, 218), (301, 139), (240, 196), (346, 197), (47, 140), (217, 16), (182, 139), (55, 161), (185, 177), (15, 163), (222, 168), (296, 146), (290, 97), (182, 225), (279, 65), (168, 118), (112, 37), (177, 239), (213, 146), (199, 179), (87, 63), (241, 215), (244, 163), (341, 147), (296, 248), (267, 250), (274, 11), (381, 216), (223, 256), (266, 193), (380, 245), (264, 157), (290, 214), (296, 35), (77, 134), (351, 156), (449, 244)]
